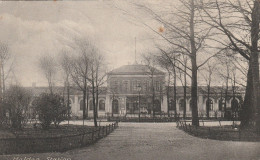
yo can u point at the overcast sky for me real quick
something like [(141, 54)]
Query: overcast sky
[(35, 28)]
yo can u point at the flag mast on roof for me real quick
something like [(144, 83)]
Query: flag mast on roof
[(135, 52)]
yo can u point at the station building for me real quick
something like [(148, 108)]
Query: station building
[(129, 85)]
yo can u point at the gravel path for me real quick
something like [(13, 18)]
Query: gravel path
[(154, 141)]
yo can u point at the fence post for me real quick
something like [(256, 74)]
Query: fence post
[(209, 131), (239, 134), (82, 140), (109, 128), (92, 137), (106, 130), (98, 132), (190, 128), (60, 139)]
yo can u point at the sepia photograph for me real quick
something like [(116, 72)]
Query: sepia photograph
[(129, 80)]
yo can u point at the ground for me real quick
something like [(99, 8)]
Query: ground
[(154, 141)]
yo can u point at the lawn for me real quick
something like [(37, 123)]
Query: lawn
[(53, 131), (224, 132)]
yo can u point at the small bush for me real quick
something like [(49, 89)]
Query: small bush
[(50, 108), (15, 107)]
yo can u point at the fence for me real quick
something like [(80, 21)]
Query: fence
[(54, 144), (219, 133)]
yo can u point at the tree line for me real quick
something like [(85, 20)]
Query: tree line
[(198, 33)]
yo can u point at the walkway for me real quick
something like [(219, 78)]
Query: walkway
[(155, 141)]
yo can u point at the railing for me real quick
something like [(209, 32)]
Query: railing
[(220, 133), (20, 145)]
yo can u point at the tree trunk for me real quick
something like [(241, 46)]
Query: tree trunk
[(94, 104), (208, 102), (246, 108), (185, 92), (254, 62), (84, 106), (251, 103), (153, 97), (175, 91), (193, 56), (168, 101), (68, 99)]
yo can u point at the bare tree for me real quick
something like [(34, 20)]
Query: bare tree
[(207, 74), (150, 63), (163, 62), (242, 32), (186, 35), (79, 70), (183, 78), (49, 68), (65, 63), (16, 103), (96, 78), (6, 69)]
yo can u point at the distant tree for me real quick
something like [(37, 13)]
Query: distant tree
[(79, 70), (150, 62), (96, 78), (240, 33), (16, 104), (207, 73), (50, 108), (6, 68), (48, 66), (65, 63)]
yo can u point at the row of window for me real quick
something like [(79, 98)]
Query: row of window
[(125, 85), (234, 105), (101, 105)]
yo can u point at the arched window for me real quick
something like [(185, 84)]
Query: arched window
[(135, 106), (190, 105), (209, 104), (234, 105), (90, 104), (81, 105), (171, 105), (115, 106), (102, 105), (157, 106), (181, 105), (221, 104)]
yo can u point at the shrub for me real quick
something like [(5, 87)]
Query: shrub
[(50, 108), (15, 106)]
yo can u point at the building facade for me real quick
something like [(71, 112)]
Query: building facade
[(132, 85)]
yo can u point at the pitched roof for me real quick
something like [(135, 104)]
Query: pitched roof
[(135, 69)]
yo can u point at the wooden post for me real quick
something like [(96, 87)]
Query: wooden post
[(60, 140), (82, 139), (92, 135), (239, 134), (98, 132)]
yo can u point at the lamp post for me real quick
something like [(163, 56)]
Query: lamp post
[(139, 88)]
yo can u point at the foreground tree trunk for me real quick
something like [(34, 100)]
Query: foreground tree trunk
[(193, 56), (175, 91), (250, 115), (208, 102)]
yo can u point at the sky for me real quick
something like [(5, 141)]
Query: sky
[(36, 28), (32, 29)]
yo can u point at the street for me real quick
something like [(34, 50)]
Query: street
[(154, 141)]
